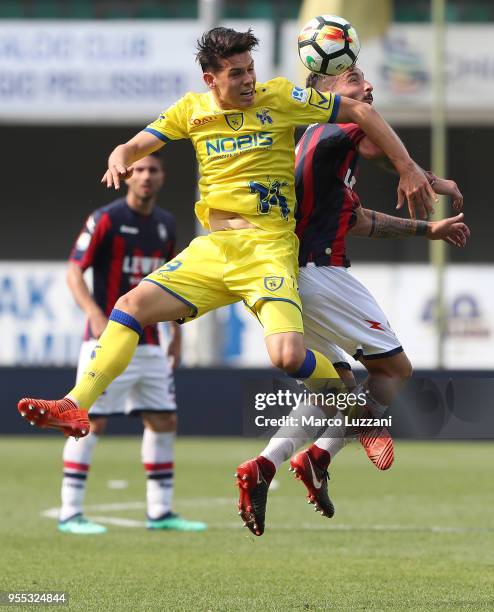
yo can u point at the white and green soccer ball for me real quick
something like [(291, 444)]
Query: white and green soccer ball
[(328, 44)]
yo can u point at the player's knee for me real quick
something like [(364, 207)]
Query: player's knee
[(400, 367), (127, 303), (286, 351), (287, 358), (161, 422), (406, 369), (397, 367)]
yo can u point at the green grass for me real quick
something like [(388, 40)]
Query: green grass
[(303, 562)]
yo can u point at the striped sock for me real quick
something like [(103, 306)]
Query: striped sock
[(157, 458), (77, 457)]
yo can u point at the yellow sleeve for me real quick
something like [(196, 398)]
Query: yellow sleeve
[(305, 106), (171, 124)]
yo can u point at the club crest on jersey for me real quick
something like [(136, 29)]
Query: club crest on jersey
[(235, 120), (264, 117), (273, 283)]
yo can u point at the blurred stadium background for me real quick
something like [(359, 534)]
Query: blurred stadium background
[(79, 76)]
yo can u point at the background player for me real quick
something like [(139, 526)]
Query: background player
[(243, 136), (338, 310), (122, 242)]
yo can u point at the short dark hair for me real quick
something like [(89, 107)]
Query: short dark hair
[(220, 43), (159, 157), (312, 80)]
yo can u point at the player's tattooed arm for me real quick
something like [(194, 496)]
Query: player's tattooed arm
[(373, 224), (387, 226)]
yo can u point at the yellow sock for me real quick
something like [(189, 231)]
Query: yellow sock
[(324, 376), (111, 356)]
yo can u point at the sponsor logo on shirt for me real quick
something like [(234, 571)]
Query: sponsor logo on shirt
[(198, 121), (127, 229), (162, 231), (299, 94), (238, 144), (138, 264)]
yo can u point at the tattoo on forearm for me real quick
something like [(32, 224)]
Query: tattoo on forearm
[(386, 226), (421, 228), (373, 220)]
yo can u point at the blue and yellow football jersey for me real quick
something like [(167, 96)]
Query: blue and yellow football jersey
[(246, 157)]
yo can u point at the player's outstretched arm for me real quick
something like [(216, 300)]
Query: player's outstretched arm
[(413, 186), (122, 157), (373, 224), (447, 187)]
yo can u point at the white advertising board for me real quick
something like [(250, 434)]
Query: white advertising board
[(104, 71), (40, 323), (406, 294)]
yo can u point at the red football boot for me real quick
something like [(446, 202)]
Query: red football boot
[(253, 489), (378, 444), (59, 414), (315, 480)]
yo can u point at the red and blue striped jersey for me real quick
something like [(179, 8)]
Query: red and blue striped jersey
[(122, 246), (325, 173)]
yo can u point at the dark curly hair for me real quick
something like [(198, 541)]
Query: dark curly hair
[(220, 43)]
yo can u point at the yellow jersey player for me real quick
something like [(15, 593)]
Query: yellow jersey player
[(243, 134)]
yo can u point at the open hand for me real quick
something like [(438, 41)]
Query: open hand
[(451, 230), (115, 174), (416, 190)]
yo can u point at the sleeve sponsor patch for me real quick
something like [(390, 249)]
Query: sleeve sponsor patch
[(319, 99), (299, 94), (83, 241)]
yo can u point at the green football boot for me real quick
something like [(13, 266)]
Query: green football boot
[(174, 522), (81, 526)]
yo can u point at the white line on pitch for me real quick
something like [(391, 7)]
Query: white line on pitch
[(53, 513)]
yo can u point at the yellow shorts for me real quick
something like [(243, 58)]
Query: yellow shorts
[(224, 267)]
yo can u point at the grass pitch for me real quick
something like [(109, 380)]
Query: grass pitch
[(419, 537)]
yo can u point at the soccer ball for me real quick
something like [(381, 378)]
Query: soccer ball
[(328, 44)]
